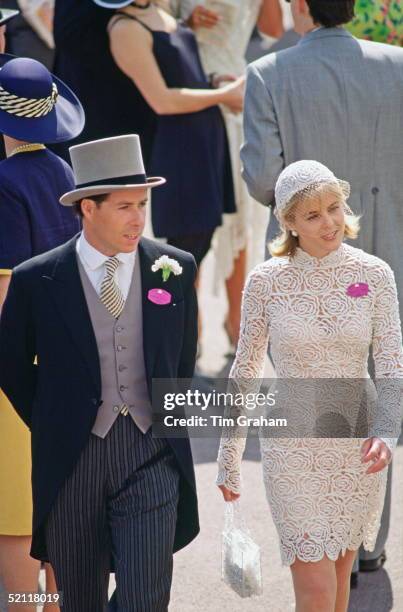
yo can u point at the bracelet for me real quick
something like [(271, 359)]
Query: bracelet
[(211, 78)]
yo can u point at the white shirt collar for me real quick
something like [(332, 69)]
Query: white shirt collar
[(94, 259)]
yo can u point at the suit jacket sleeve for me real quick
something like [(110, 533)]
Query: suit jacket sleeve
[(15, 231), (262, 151), (188, 354), (17, 350)]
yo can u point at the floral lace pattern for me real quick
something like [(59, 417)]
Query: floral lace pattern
[(321, 500)]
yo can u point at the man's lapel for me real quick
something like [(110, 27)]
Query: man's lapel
[(64, 285), (148, 253), (155, 318)]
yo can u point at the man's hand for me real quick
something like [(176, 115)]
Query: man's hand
[(228, 495), (202, 18), (374, 449)]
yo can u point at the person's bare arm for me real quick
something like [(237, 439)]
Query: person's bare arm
[(2, 38), (4, 283), (131, 47), (270, 20)]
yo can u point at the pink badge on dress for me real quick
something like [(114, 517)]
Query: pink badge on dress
[(159, 296), (358, 290)]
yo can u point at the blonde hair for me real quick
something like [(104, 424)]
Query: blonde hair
[(285, 243)]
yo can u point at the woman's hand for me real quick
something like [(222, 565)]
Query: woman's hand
[(219, 79), (228, 495), (202, 18), (374, 449), (234, 94)]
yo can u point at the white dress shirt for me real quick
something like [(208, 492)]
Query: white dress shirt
[(94, 265)]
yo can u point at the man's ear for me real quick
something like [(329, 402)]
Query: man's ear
[(87, 206), (303, 8)]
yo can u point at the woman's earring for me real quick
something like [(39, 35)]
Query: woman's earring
[(294, 233)]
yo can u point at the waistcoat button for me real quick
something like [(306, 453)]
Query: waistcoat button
[(116, 409)]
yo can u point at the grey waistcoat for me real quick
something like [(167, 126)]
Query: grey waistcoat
[(120, 349)]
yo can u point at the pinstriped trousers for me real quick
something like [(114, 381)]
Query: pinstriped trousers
[(120, 500)]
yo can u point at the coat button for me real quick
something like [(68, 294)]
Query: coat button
[(116, 408), (119, 347), (375, 190), (94, 401)]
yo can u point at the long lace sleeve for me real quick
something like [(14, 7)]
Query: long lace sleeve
[(388, 358), (246, 372)]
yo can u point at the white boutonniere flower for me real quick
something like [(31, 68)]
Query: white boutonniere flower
[(167, 265)]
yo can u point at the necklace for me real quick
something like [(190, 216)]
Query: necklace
[(27, 148), (141, 6)]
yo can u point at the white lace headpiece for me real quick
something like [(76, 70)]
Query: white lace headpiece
[(301, 176)]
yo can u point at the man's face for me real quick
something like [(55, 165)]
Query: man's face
[(116, 224)]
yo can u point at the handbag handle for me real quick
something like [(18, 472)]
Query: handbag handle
[(233, 516)]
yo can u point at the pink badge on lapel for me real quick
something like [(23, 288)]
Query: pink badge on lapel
[(159, 296), (358, 290)]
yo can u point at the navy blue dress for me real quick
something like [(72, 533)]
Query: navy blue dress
[(32, 220), (189, 150)]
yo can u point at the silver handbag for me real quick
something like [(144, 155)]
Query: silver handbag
[(241, 566)]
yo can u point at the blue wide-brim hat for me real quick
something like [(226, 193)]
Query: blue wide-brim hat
[(35, 105), (113, 4)]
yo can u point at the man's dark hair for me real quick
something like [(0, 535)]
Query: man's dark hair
[(98, 199), (331, 13)]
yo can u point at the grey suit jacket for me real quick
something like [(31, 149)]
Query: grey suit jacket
[(337, 100)]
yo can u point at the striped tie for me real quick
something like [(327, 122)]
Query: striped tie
[(111, 296)]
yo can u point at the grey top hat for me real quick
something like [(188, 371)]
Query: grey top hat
[(110, 164)]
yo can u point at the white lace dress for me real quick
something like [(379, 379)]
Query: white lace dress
[(321, 500)]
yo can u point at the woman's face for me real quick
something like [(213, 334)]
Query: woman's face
[(319, 222)]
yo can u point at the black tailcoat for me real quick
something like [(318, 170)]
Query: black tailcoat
[(45, 316)]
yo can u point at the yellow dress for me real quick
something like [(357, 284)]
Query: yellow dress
[(15, 471)]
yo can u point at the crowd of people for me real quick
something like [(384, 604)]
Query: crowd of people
[(112, 107)]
